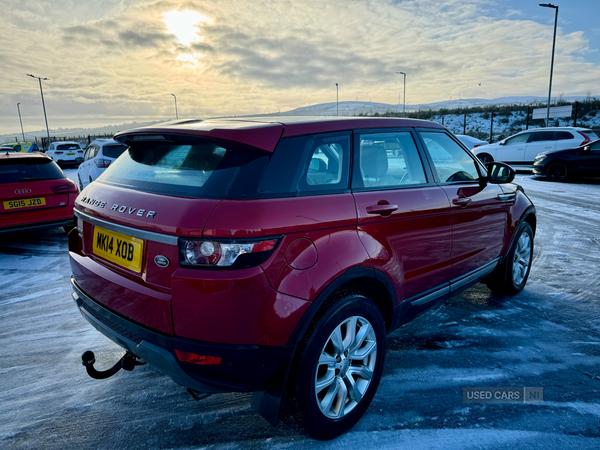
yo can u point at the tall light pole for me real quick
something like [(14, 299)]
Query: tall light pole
[(337, 100), (22, 133), (550, 5), (43, 104), (404, 96), (176, 113)]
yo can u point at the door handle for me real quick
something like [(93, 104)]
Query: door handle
[(506, 197), (381, 209), (461, 201)]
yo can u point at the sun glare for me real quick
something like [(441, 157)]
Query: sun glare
[(184, 25)]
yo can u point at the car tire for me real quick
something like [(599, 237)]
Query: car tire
[(557, 171), (331, 386), (511, 275), (485, 158)]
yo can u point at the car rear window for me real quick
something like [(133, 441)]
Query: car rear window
[(199, 168), (68, 147), (113, 151), (22, 170)]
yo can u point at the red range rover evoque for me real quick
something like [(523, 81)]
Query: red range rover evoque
[(274, 255)]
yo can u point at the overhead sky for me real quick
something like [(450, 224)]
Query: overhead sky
[(113, 61)]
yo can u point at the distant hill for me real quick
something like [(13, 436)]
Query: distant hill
[(352, 108)]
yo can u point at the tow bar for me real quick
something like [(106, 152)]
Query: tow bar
[(127, 362)]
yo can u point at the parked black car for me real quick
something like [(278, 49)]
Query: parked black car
[(582, 161)]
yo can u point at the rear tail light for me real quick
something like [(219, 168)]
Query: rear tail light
[(587, 140), (102, 163), (477, 145), (65, 188), (79, 151), (202, 360), (58, 153), (225, 254)]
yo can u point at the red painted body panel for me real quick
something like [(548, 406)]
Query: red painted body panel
[(329, 221), (260, 135), (176, 216), (478, 229), (127, 297), (412, 245), (517, 208), (233, 307)]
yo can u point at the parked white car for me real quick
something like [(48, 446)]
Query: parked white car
[(98, 156), (65, 152), (521, 149), (470, 141)]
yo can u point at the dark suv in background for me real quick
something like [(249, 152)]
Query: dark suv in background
[(274, 256)]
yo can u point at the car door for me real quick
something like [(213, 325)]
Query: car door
[(539, 142), (403, 216), (589, 161), (479, 209), (84, 168), (512, 150)]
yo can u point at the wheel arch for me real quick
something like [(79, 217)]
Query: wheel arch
[(366, 281)]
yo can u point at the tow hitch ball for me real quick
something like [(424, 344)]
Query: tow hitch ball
[(127, 362)]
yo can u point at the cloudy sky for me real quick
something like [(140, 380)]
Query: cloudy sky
[(114, 61)]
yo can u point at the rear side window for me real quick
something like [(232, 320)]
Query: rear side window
[(113, 151), (542, 136), (307, 164), (21, 170), (388, 160), (198, 168), (562, 135)]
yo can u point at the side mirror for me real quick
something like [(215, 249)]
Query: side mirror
[(586, 148), (500, 173), (502, 143)]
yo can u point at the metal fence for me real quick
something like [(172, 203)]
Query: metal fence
[(493, 123)]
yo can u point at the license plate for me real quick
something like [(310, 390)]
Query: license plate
[(25, 203), (121, 249), (70, 154)]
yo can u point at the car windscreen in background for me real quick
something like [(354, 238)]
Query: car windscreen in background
[(196, 169), (68, 147), (113, 151), (29, 169)]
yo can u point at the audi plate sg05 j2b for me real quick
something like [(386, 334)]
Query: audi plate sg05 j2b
[(274, 256)]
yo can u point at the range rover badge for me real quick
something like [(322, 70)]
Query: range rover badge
[(161, 261)]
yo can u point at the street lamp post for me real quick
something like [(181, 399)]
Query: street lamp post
[(550, 5), (43, 105), (337, 100), (22, 133), (176, 113), (403, 96)]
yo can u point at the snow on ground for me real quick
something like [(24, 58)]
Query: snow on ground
[(548, 336)]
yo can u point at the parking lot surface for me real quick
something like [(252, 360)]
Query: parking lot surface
[(547, 336)]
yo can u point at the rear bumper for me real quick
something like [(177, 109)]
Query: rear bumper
[(38, 226), (244, 367)]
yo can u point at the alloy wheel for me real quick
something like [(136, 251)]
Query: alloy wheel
[(521, 259), (345, 367)]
